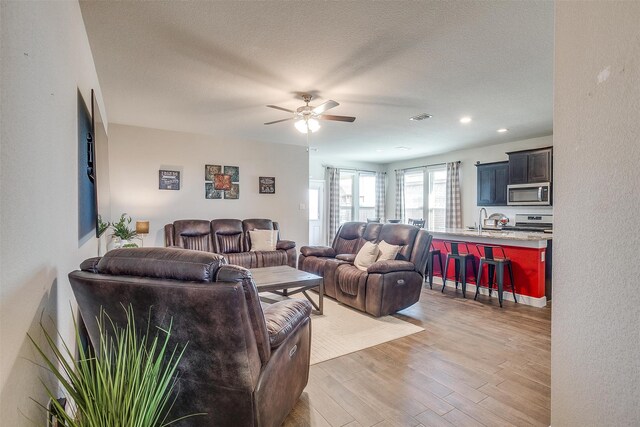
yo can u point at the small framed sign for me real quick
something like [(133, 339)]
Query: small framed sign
[(267, 184), (169, 180)]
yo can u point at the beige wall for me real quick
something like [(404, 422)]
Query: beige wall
[(595, 337), (45, 59), (468, 177), (140, 152)]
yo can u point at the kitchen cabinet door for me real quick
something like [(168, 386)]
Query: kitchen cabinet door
[(518, 168), (492, 184), (539, 166)]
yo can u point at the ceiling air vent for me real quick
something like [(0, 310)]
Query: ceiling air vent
[(423, 116)]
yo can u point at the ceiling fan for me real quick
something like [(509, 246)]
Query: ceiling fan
[(306, 117)]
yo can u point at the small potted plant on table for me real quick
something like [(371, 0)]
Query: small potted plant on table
[(122, 234)]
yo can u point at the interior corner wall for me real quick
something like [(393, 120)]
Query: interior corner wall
[(137, 154), (468, 176), (595, 329), (46, 59)]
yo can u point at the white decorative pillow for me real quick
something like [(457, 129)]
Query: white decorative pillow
[(387, 251), (263, 240), (367, 255)]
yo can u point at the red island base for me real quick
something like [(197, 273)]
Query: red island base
[(529, 260)]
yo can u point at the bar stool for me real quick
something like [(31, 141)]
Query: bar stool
[(488, 256), (460, 259), (433, 252)]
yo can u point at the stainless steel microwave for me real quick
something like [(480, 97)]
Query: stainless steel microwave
[(529, 194)]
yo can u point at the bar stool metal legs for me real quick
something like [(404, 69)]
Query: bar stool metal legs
[(497, 266), (460, 260), (430, 264)]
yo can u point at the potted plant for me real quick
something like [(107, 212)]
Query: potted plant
[(129, 382), (122, 234)]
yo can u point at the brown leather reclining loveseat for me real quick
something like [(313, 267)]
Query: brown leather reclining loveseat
[(386, 286), (242, 366), (230, 238)]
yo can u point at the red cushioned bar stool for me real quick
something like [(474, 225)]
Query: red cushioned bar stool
[(496, 262), (459, 252)]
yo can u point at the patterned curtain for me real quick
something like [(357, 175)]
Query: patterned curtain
[(381, 184), (332, 177), (400, 194), (453, 211)]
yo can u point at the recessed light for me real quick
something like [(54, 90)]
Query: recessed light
[(403, 148), (422, 116), (465, 120), (503, 130)]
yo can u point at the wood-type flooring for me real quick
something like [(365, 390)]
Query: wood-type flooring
[(475, 364)]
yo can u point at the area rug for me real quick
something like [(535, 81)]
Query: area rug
[(342, 330)]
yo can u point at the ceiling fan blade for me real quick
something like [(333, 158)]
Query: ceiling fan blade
[(337, 118), (280, 108), (324, 107), (278, 121)]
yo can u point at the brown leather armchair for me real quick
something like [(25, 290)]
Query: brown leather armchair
[(387, 286), (243, 366)]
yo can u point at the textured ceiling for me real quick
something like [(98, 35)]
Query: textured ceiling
[(212, 67)]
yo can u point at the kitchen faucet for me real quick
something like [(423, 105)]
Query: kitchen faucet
[(480, 219)]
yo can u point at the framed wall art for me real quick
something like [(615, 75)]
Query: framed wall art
[(267, 184), (221, 182), (169, 180)]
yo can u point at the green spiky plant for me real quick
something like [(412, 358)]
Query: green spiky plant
[(130, 382), (121, 228), (102, 226)]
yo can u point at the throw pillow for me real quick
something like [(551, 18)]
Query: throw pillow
[(387, 251), (366, 256), (263, 240)]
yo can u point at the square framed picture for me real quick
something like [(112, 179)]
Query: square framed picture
[(234, 171), (210, 192), (267, 185), (210, 171), (234, 193), (169, 180)]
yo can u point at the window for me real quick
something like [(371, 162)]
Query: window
[(358, 186), (366, 196), (346, 195), (425, 192), (414, 194), (437, 177)]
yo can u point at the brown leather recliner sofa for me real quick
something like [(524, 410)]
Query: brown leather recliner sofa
[(242, 366), (386, 286), (230, 238)]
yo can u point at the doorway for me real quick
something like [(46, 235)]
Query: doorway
[(316, 213)]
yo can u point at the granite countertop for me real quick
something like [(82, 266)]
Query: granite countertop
[(492, 234)]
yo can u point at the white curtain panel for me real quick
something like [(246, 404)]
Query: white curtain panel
[(381, 185), (332, 178), (453, 210), (400, 194)]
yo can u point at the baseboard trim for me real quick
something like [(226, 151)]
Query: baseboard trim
[(506, 295)]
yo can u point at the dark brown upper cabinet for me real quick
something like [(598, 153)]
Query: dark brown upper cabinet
[(492, 183), (531, 166)]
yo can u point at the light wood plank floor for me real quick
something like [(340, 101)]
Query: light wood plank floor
[(474, 365)]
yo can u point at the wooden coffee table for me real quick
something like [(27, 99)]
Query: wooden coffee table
[(284, 280)]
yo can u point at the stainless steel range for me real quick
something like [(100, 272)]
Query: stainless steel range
[(532, 222)]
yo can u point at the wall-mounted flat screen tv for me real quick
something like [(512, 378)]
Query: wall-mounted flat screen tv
[(102, 198)]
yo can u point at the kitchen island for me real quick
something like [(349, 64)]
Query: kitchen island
[(530, 254)]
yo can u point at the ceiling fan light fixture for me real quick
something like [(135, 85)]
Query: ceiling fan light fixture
[(307, 125)]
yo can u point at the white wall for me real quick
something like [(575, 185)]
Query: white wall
[(45, 59), (468, 177), (317, 166), (595, 336), (140, 152)]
